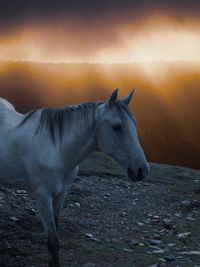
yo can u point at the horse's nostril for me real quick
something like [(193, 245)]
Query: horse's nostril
[(140, 173)]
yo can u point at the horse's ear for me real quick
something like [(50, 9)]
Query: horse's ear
[(127, 99), (111, 101)]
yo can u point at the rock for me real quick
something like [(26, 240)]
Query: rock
[(140, 223), (4, 189), (178, 214), (158, 251), (183, 235), (170, 258), (89, 235), (141, 244), (89, 264), (190, 218), (14, 219), (157, 236), (77, 204), (155, 242), (185, 203), (21, 192), (170, 245), (8, 244), (169, 223), (127, 250), (154, 247), (133, 242), (163, 231), (190, 253), (31, 211)]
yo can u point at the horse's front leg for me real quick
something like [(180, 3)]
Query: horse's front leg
[(46, 214), (59, 200), (57, 205)]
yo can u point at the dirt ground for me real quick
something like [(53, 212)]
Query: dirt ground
[(108, 221)]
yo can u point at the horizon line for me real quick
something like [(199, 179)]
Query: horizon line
[(100, 63)]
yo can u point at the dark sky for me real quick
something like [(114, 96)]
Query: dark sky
[(14, 13)]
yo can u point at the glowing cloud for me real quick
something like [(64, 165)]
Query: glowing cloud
[(154, 39)]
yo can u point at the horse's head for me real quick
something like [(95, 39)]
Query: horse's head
[(117, 136)]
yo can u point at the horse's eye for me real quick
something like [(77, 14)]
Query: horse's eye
[(117, 127)]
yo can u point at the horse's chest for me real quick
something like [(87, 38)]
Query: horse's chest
[(11, 172), (11, 167)]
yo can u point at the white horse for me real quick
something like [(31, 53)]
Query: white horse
[(45, 146)]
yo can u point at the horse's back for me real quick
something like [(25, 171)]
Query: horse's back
[(6, 103), (8, 115)]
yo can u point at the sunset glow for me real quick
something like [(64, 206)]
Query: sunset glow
[(156, 39)]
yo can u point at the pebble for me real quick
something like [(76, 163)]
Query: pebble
[(4, 189), (169, 223), (158, 251), (185, 203), (89, 264), (190, 218), (140, 223), (21, 192), (190, 253), (170, 258), (155, 242), (156, 236), (14, 219), (170, 245), (89, 235), (77, 204), (154, 247), (141, 244), (31, 211), (133, 242), (183, 235), (128, 250)]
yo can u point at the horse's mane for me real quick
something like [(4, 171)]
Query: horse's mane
[(53, 119)]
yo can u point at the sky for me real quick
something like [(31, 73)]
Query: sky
[(100, 31), (109, 31)]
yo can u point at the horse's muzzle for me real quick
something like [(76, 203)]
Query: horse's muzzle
[(138, 174)]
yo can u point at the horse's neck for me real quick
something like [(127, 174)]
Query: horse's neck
[(80, 140)]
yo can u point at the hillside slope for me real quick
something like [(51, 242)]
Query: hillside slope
[(109, 221)]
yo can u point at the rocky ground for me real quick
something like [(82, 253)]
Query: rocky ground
[(108, 221)]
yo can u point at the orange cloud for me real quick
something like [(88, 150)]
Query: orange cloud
[(151, 39)]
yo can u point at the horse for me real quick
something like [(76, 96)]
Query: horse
[(45, 146)]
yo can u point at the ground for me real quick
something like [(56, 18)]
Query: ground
[(109, 221)]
